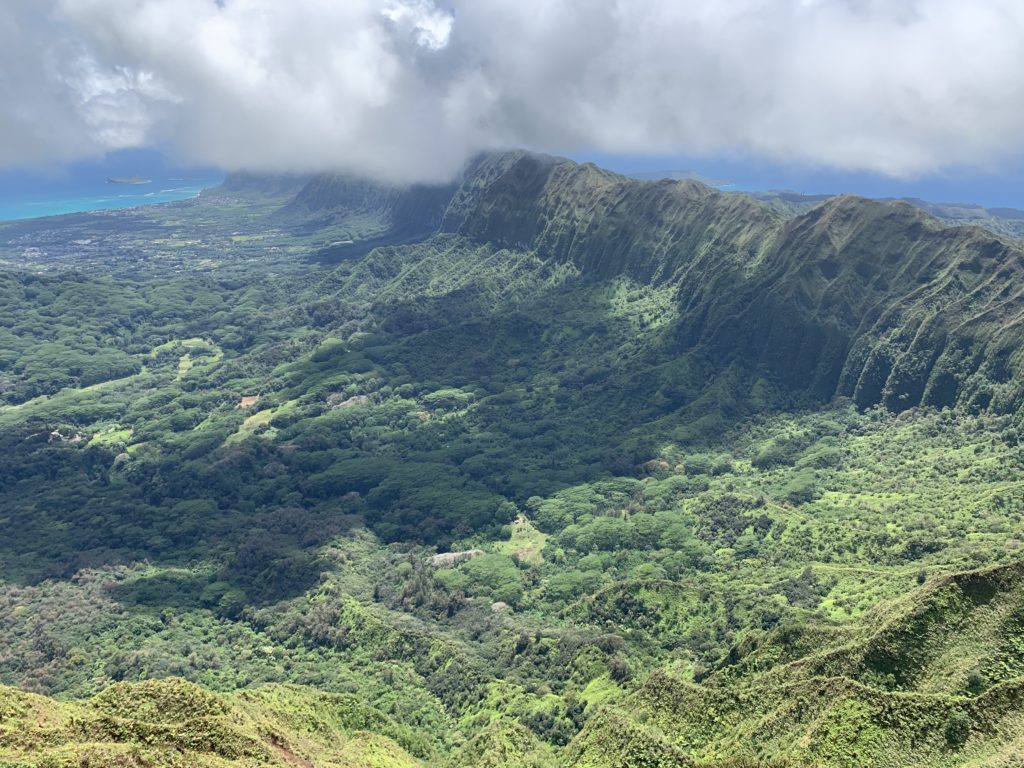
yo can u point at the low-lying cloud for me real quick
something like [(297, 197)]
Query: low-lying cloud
[(407, 90)]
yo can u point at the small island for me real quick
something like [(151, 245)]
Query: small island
[(128, 180)]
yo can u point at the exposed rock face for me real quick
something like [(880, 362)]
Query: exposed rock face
[(416, 210), (451, 559), (338, 400)]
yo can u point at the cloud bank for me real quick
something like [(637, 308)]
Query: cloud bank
[(407, 90)]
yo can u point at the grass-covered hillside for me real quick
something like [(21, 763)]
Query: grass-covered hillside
[(932, 679), (174, 723), (550, 467)]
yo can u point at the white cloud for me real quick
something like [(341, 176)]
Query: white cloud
[(408, 89), (431, 27)]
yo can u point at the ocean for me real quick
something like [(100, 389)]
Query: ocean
[(97, 194)]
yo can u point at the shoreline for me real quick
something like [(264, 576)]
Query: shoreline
[(101, 199)]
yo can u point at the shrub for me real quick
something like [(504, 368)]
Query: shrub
[(958, 730)]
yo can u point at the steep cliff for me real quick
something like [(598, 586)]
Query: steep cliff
[(876, 301)]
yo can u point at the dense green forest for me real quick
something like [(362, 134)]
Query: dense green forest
[(548, 467)]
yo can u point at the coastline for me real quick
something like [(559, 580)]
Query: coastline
[(103, 196)]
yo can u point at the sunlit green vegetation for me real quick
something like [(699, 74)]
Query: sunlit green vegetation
[(654, 549)]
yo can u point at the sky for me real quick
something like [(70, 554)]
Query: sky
[(148, 163), (1000, 188), (872, 96)]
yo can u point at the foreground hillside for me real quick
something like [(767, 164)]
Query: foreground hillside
[(547, 467), (175, 723), (932, 679)]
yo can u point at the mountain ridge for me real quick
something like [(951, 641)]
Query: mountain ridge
[(875, 301)]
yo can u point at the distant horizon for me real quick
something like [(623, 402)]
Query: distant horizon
[(84, 188), (77, 187), (1002, 190)]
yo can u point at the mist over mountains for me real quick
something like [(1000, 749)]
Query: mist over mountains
[(408, 90)]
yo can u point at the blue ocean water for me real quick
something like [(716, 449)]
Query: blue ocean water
[(99, 196), (85, 186)]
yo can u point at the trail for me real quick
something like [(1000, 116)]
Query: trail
[(288, 756)]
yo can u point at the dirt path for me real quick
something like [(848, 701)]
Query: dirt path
[(288, 756)]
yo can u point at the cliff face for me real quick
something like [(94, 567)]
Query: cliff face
[(416, 210), (608, 225), (876, 301), (261, 185)]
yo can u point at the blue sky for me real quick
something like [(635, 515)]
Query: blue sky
[(149, 163), (992, 190)]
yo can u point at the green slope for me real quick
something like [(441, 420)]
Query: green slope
[(174, 723), (806, 695), (1007, 222), (933, 679)]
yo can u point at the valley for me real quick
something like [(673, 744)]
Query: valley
[(741, 485)]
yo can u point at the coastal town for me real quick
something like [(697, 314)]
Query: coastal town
[(205, 234)]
